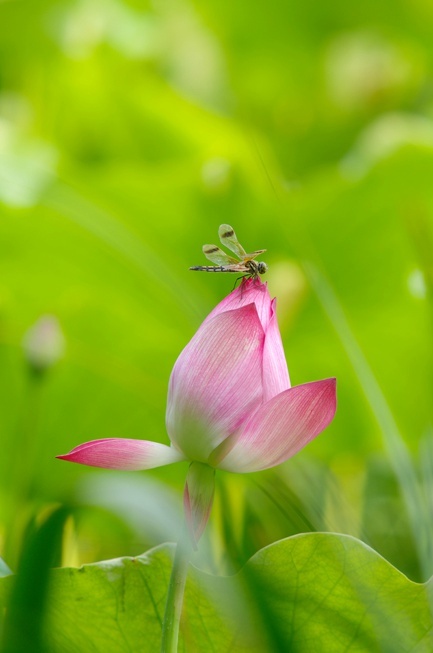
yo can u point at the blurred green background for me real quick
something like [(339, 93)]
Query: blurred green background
[(129, 131)]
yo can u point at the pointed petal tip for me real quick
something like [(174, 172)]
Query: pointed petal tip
[(330, 388), (123, 454), (251, 283), (326, 392)]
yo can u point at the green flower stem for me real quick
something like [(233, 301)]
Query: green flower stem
[(176, 588), (21, 470)]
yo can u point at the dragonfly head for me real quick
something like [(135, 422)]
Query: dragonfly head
[(262, 268)]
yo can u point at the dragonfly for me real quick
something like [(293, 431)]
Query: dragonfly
[(244, 263)]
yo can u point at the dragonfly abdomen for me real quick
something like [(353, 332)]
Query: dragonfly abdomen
[(212, 268)]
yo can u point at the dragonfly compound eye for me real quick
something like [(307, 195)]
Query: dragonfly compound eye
[(262, 268)]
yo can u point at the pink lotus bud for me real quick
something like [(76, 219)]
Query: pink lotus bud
[(230, 404)]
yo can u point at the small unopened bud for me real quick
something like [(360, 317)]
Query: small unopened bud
[(44, 343)]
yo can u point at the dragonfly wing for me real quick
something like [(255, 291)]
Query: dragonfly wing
[(228, 238), (253, 255), (217, 256)]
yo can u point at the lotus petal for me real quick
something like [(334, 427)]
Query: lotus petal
[(281, 427), (122, 453)]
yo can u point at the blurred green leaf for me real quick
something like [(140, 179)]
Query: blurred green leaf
[(24, 621), (4, 569), (329, 589)]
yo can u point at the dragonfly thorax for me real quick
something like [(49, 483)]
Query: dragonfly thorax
[(257, 267)]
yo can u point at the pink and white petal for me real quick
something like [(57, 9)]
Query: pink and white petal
[(275, 373), (216, 382), (250, 291), (282, 426), (122, 453)]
